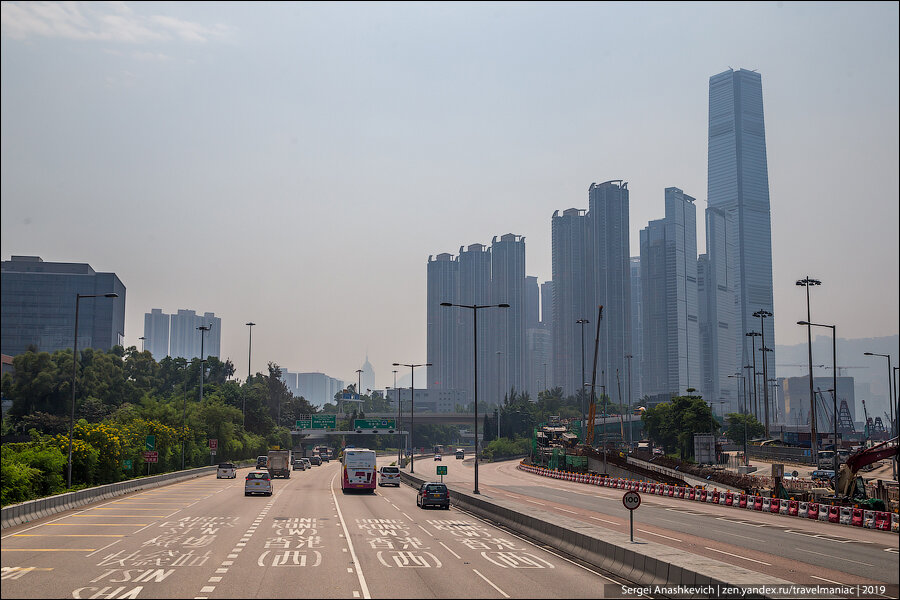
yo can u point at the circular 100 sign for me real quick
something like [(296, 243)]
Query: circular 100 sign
[(631, 500)]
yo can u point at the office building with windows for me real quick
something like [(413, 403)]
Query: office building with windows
[(671, 335), (37, 301), (738, 183)]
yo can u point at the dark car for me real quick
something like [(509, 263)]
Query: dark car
[(316, 461), (433, 494), (299, 465)]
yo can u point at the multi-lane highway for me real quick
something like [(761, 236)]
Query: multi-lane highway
[(205, 539), (800, 551)]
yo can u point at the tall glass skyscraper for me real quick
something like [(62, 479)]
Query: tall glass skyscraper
[(671, 335), (738, 183)]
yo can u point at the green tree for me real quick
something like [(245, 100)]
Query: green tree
[(734, 427), (672, 424)]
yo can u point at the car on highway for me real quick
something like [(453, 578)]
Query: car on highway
[(226, 471), (433, 493), (298, 465), (437, 457), (258, 482), (315, 461), (306, 463), (262, 462), (460, 453), (823, 475), (389, 475)]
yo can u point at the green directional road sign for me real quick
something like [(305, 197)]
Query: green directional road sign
[(441, 470), (374, 424), (317, 422), (151, 443)]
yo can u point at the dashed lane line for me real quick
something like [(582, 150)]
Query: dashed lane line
[(491, 583), (738, 556), (346, 535)]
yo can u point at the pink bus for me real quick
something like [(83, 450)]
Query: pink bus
[(358, 470)]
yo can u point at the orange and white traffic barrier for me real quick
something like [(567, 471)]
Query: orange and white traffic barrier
[(758, 503), (715, 497), (774, 505), (846, 515), (882, 521), (793, 508), (834, 514), (729, 499), (895, 522)]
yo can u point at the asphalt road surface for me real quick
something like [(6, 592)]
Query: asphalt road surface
[(205, 539)]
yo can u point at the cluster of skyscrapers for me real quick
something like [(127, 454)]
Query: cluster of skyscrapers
[(672, 320), (179, 335)]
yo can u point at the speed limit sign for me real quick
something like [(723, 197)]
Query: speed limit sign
[(631, 500)]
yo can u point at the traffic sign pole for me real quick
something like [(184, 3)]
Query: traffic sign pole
[(631, 500)]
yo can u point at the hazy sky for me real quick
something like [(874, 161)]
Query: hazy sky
[(296, 164)]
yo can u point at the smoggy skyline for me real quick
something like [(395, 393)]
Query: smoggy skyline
[(295, 165)]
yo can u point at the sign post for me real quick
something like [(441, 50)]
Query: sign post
[(631, 500), (442, 470), (213, 446)]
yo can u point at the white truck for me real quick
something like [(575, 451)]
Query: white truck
[(279, 463)]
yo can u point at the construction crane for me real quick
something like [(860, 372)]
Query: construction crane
[(589, 436), (839, 369)]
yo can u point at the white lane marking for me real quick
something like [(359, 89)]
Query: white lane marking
[(346, 535), (407, 516), (604, 520), (145, 527), (425, 530), (103, 548), (349, 569), (835, 557), (566, 510), (743, 537), (533, 502), (541, 548), (491, 583), (355, 594), (214, 579), (738, 556), (660, 535), (207, 589), (226, 563), (223, 570), (450, 551), (828, 580)]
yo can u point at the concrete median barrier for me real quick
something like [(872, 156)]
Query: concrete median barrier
[(638, 562)]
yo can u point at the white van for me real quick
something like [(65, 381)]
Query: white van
[(389, 475), (226, 471)]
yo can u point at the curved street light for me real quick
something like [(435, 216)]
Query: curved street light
[(412, 408), (762, 314), (808, 282), (475, 308), (78, 298)]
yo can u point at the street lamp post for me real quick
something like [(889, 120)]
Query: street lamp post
[(249, 370), (399, 437), (833, 379), (412, 409), (203, 329), (813, 436), (499, 399), (582, 322), (78, 298), (183, 411), (743, 410), (753, 335), (891, 402), (475, 308), (630, 424), (762, 314)]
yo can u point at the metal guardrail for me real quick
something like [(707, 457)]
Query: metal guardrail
[(24, 512)]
